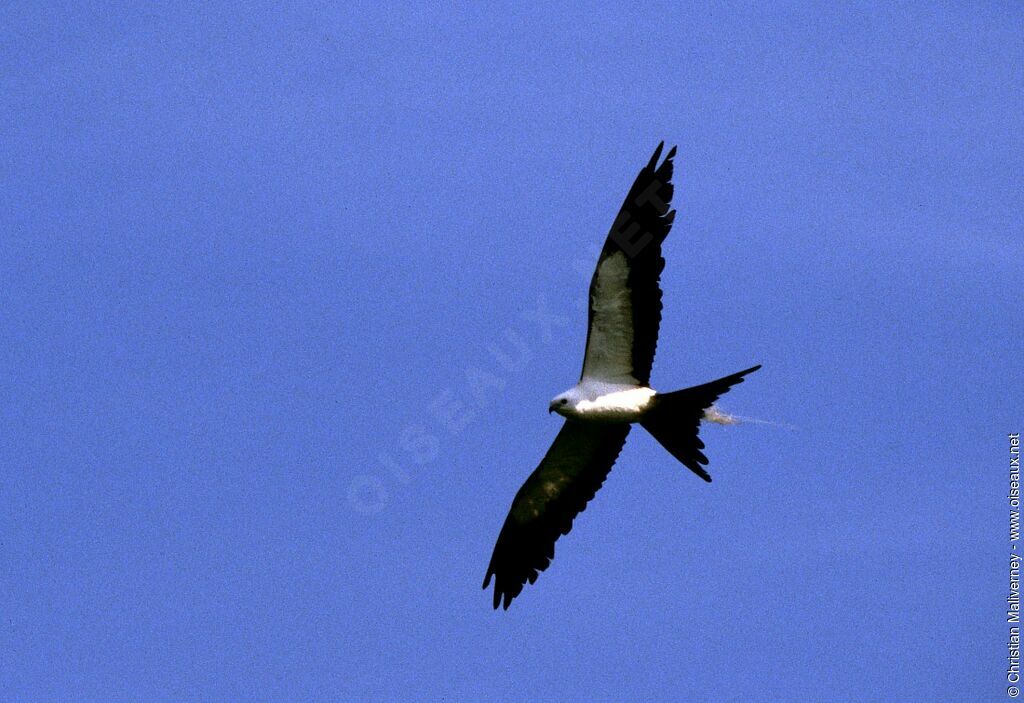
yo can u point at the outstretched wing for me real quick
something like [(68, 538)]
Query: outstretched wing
[(625, 298), (543, 510)]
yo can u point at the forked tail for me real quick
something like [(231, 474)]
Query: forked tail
[(674, 419)]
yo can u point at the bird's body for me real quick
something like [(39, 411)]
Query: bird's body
[(613, 392), (593, 400)]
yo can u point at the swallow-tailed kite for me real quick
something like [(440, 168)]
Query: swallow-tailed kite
[(613, 391)]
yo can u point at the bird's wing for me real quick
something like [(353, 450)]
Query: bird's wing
[(625, 298), (543, 510)]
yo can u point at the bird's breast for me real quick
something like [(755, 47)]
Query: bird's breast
[(616, 406)]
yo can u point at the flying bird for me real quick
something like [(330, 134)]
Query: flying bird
[(613, 392)]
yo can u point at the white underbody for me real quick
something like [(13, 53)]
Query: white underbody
[(601, 401)]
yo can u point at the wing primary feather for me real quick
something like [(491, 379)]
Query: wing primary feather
[(657, 154)]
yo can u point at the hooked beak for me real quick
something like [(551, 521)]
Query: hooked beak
[(551, 408)]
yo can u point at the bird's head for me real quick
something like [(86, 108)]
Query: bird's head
[(564, 403)]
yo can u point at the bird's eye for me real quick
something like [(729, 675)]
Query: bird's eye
[(563, 401)]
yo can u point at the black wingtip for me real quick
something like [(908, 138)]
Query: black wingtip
[(498, 593), (696, 468), (653, 164), (657, 155)]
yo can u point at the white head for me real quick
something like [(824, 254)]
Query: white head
[(565, 403)]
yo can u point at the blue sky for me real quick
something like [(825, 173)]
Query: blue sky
[(249, 255)]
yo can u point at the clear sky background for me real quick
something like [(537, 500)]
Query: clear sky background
[(248, 255)]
